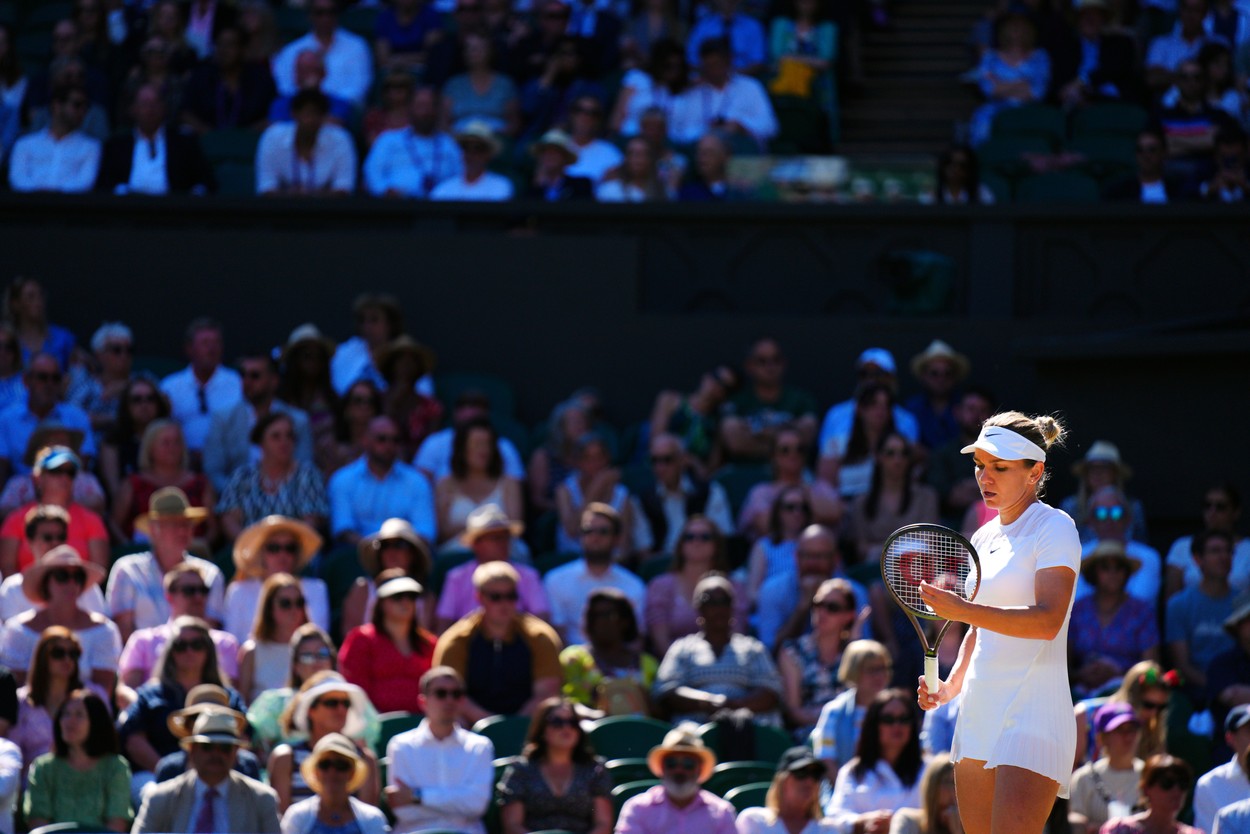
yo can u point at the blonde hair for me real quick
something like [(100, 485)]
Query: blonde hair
[(1045, 430), (149, 440), (1143, 675), (856, 652), (930, 786), (772, 800), (489, 572)]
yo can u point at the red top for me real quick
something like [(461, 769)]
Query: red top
[(141, 489), (391, 680), (84, 526)]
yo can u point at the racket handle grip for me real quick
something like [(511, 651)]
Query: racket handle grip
[(931, 673)]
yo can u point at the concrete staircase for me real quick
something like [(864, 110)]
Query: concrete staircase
[(910, 97)]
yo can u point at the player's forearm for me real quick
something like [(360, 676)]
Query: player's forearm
[(955, 680), (1030, 622)]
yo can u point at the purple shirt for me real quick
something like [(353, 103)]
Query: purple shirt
[(1130, 633), (652, 813), (457, 598), (144, 648)]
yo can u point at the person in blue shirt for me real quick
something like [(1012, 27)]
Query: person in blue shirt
[(377, 486), (745, 36)]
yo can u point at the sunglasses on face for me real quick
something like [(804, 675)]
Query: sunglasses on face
[(64, 575), (62, 471), (696, 537), (442, 694), (334, 703), (832, 607), (140, 399), (893, 453), (51, 538), (360, 400), (1170, 783), (337, 765), (119, 349), (662, 460), (1215, 505), (287, 603), (894, 720), (192, 590), (681, 763), (253, 374), (1154, 706), (406, 596), (791, 507), (1114, 513), (811, 774), (720, 600), (45, 376), (316, 656), (196, 644), (559, 722), (215, 747), (386, 438), (767, 359), (61, 653), (501, 596), (597, 531), (278, 547), (789, 449)]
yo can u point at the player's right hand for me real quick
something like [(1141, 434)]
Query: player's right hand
[(932, 700)]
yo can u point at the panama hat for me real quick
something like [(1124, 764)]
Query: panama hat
[(334, 744), (305, 334), (393, 528), (559, 140), (216, 726), (167, 503), (203, 698), (248, 545), (1102, 451), (480, 131), (938, 349), (405, 344), (61, 556), (684, 741), (1104, 550), (488, 519)]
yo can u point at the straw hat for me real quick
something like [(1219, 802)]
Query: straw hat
[(43, 434), (202, 698), (1102, 451), (167, 503), (332, 682), (308, 333), (338, 745), (216, 726), (938, 349), (406, 344), (248, 545), (479, 130), (683, 740), (487, 519), (559, 140), (393, 528), (61, 556), (1106, 550)]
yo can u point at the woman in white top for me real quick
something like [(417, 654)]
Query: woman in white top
[(637, 180), (938, 814), (476, 479), (1015, 739), (334, 770), (593, 478), (275, 544), (792, 805), (264, 658), (884, 776), (665, 77)]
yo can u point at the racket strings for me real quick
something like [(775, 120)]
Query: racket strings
[(927, 556)]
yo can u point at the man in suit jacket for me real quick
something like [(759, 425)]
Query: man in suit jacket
[(153, 159), (211, 797), (1090, 64), (229, 445)]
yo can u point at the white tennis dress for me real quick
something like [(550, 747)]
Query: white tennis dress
[(1017, 707)]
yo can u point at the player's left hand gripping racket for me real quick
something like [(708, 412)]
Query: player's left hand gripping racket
[(937, 555)]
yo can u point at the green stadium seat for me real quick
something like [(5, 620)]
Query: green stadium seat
[(655, 566), (158, 366), (627, 736), (631, 769), (770, 742), (235, 179), (360, 20), (623, 793), (1004, 155), (450, 385), (443, 563), (230, 145), (1031, 120), (738, 478), (1110, 119), (1058, 187), (803, 127), (541, 535), (729, 775), (394, 723), (506, 732), (748, 796), (1106, 157), (548, 562)]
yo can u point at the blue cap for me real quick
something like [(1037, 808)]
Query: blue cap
[(54, 457), (1238, 717), (880, 357)]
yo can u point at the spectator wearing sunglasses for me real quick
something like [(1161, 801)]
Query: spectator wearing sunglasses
[(377, 486), (46, 527), (509, 661), (558, 783), (275, 544), (662, 510), (185, 662), (1101, 467), (44, 401), (764, 405), (387, 656), (1110, 515), (789, 457), (98, 392), (793, 800), (568, 586), (186, 592), (682, 763), (1164, 782), (325, 705), (204, 386), (56, 582), (669, 612), (203, 698), (280, 613), (1221, 510), (440, 776), (335, 772), (885, 774)]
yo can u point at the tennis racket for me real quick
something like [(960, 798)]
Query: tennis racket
[(937, 555)]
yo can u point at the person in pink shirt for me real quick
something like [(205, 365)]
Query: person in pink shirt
[(387, 657), (489, 532), (678, 805)]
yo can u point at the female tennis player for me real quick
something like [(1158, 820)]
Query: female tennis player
[(1015, 738)]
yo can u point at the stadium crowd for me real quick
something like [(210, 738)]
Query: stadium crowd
[(312, 584)]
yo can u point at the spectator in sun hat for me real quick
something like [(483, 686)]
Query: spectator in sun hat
[(1110, 629), (1101, 467), (554, 153), (305, 384), (682, 763), (874, 365), (395, 545), (46, 527), (20, 489), (940, 369), (56, 469), (489, 533), (206, 697), (1111, 518), (388, 655), (334, 771), (478, 146), (275, 544)]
